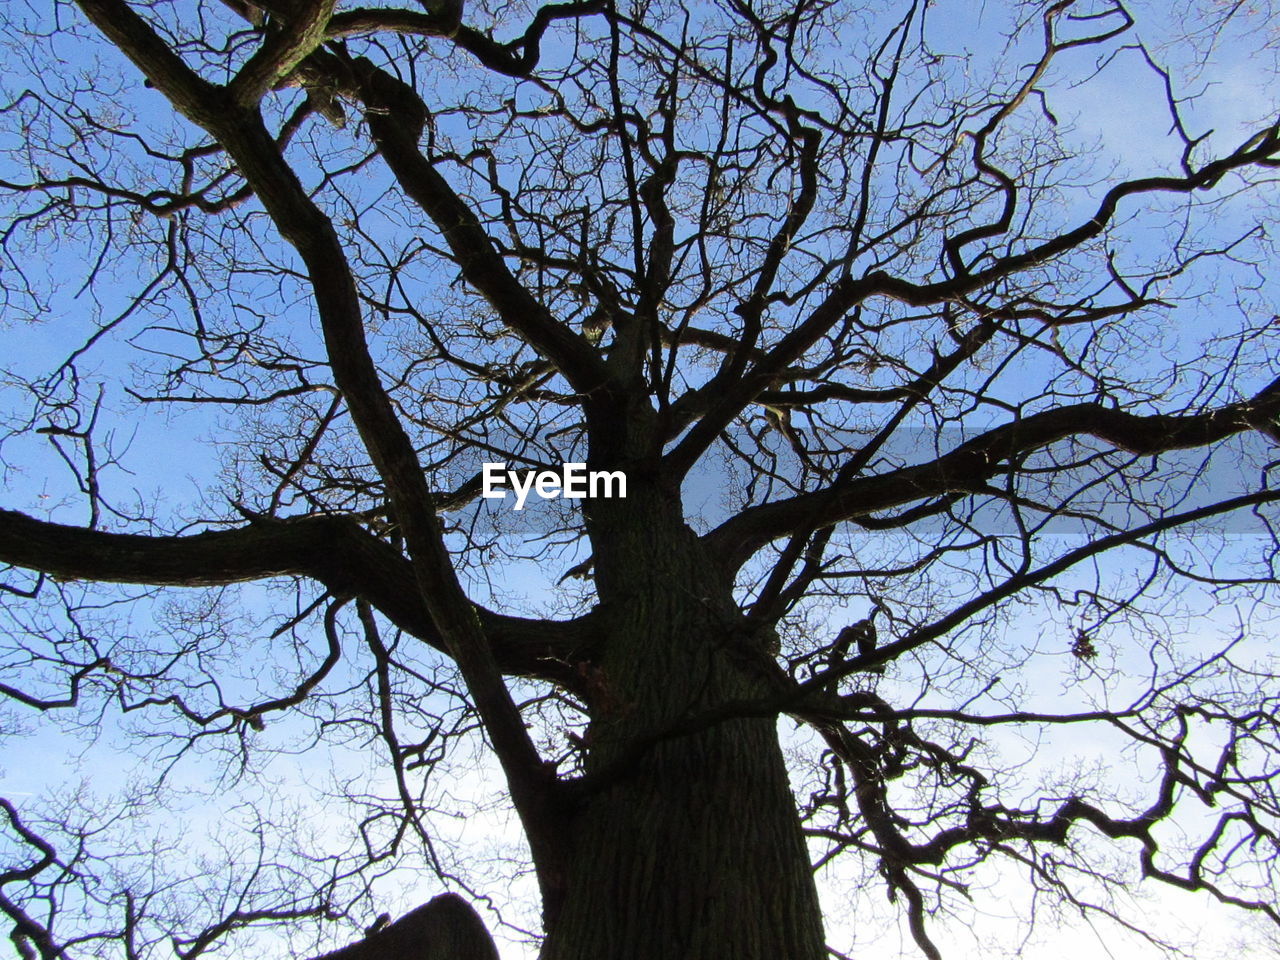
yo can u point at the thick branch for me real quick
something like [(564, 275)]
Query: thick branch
[(973, 463), (722, 405), (396, 116), (191, 95), (334, 551), (282, 51), (311, 233), (520, 56), (378, 20)]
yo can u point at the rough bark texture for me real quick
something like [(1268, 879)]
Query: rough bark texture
[(690, 848)]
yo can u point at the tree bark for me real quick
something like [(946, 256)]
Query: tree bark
[(691, 846)]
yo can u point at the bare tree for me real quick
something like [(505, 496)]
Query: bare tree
[(946, 435)]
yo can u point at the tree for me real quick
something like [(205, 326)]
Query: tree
[(938, 426)]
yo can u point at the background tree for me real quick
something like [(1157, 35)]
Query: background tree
[(946, 431)]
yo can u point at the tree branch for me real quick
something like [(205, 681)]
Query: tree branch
[(333, 550), (972, 463), (282, 51), (310, 232), (396, 114), (1260, 150)]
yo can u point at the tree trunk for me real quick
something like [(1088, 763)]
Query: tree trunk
[(693, 848)]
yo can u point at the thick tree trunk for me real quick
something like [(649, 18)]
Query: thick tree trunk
[(698, 857), (693, 848)]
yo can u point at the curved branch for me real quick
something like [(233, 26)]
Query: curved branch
[(396, 115), (282, 51), (971, 464), (1260, 150), (380, 20), (306, 228), (519, 57), (333, 550)]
